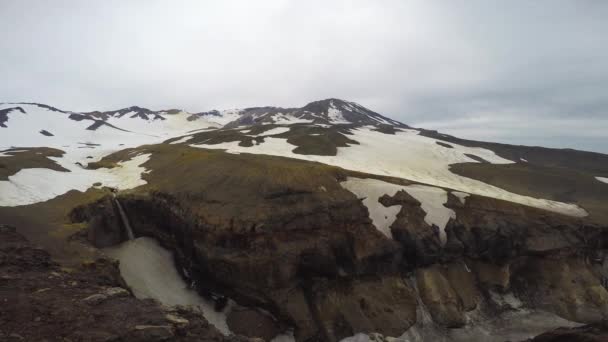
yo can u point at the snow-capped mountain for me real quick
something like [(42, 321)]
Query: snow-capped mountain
[(329, 208)]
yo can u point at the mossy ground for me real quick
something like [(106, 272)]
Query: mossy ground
[(27, 158)]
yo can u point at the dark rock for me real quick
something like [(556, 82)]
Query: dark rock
[(385, 305), (587, 333), (152, 333), (252, 323)]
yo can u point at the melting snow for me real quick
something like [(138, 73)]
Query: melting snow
[(432, 201), (150, 272), (410, 156), (602, 179)]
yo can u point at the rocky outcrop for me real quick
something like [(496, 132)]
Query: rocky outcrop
[(569, 287), (385, 305)]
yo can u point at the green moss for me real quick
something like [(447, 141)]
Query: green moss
[(37, 157), (558, 184)]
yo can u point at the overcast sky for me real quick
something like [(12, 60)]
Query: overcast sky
[(523, 72)]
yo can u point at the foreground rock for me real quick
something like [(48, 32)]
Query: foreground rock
[(43, 302)]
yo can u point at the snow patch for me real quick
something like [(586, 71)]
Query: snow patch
[(462, 196), (275, 131), (432, 202), (371, 190), (34, 185), (602, 179)]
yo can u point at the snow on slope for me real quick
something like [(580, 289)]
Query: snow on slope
[(69, 135), (275, 131), (34, 185), (81, 146), (335, 115), (174, 124), (288, 119), (602, 179), (432, 201), (406, 155)]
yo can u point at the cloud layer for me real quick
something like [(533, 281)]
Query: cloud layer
[(524, 72)]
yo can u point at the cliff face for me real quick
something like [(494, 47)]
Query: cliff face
[(284, 236)]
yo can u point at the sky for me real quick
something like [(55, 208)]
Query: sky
[(520, 72)]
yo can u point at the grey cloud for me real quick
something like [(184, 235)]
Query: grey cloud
[(526, 72)]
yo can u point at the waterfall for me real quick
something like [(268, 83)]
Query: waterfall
[(124, 219)]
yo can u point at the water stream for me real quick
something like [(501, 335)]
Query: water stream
[(150, 272), (124, 219)]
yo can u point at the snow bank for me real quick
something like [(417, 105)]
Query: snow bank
[(410, 156), (150, 272), (432, 201)]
